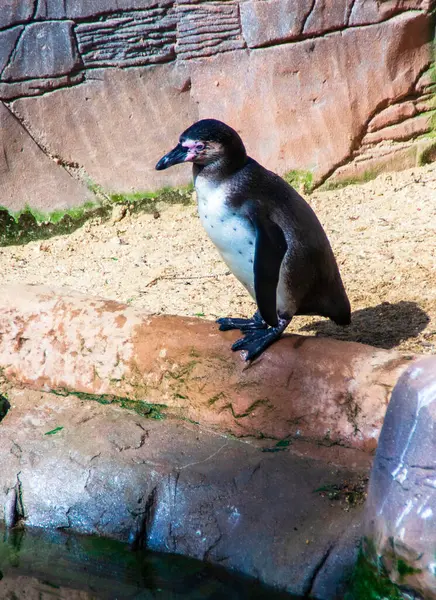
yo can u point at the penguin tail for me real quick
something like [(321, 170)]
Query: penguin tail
[(343, 318), (340, 312)]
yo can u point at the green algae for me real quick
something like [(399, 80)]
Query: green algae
[(142, 408), (30, 224), (366, 176), (369, 582)]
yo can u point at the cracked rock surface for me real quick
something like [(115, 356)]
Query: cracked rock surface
[(107, 87), (302, 388), (172, 486), (402, 496)]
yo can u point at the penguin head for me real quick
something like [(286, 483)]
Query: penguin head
[(206, 142)]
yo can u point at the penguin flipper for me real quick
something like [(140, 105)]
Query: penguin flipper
[(270, 249)]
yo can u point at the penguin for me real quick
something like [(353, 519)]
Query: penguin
[(266, 233)]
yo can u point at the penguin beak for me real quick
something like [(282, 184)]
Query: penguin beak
[(176, 156)]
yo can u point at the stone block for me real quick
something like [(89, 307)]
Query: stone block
[(405, 130), (365, 12), (401, 525), (87, 9), (273, 21), (171, 486), (128, 39), (8, 40), (29, 176), (391, 115), (303, 388), (45, 49), (327, 15), (16, 11), (208, 29)]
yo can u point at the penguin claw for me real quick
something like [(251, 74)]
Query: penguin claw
[(244, 325), (228, 323), (256, 342)]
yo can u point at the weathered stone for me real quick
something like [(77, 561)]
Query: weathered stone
[(301, 388), (425, 81), (208, 29), (36, 87), (8, 40), (311, 91), (405, 130), (170, 486), (30, 177), (14, 11), (365, 12), (272, 21), (401, 528), (426, 105), (84, 9), (373, 160), (327, 15), (44, 50), (117, 148), (292, 131), (131, 39), (392, 114)]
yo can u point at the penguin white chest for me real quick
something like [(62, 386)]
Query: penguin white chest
[(231, 232)]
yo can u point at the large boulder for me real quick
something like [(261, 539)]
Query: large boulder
[(302, 388), (401, 529), (76, 465)]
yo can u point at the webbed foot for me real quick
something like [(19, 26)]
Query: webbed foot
[(244, 325), (256, 341)]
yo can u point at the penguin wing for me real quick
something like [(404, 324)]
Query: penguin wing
[(270, 248)]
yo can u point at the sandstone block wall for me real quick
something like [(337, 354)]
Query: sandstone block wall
[(97, 91)]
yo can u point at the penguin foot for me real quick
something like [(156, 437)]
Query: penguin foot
[(255, 342), (244, 325)]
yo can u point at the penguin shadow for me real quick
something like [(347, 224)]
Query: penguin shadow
[(385, 325)]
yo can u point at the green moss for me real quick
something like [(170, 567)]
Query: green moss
[(370, 583), (30, 224), (368, 175), (215, 398), (300, 180), (404, 569), (145, 409), (428, 155), (149, 201), (261, 402)]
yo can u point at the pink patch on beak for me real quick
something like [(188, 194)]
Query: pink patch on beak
[(192, 146)]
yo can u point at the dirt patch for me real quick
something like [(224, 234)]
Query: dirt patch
[(382, 232)]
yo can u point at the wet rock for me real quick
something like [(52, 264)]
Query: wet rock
[(401, 529), (78, 465), (301, 388)]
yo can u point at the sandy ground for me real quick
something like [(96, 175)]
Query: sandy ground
[(383, 234)]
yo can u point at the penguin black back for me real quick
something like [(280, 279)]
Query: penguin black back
[(265, 231)]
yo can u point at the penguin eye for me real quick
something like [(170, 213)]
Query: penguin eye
[(199, 146)]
